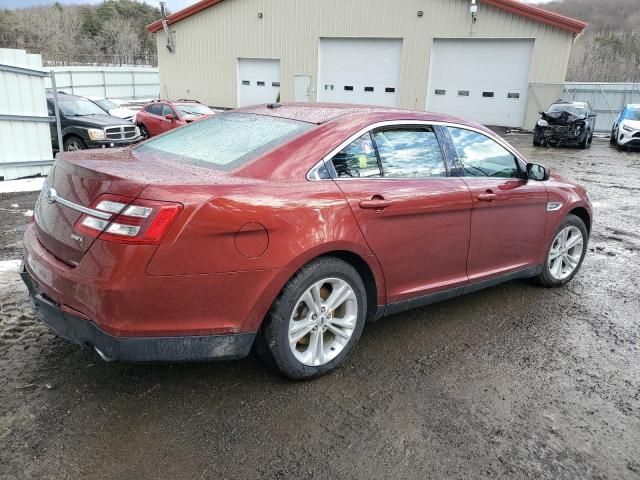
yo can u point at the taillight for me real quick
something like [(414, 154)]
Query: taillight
[(138, 221)]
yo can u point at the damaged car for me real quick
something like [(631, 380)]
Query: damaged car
[(626, 130), (565, 123)]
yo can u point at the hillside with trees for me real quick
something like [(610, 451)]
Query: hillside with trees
[(112, 32), (609, 48)]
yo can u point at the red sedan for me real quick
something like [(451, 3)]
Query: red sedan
[(288, 227), (161, 116)]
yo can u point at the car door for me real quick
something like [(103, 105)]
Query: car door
[(413, 214), (508, 218), (154, 120), (167, 124)]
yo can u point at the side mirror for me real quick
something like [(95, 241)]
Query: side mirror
[(170, 116), (537, 172)]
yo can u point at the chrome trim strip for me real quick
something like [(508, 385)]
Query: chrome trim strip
[(390, 123), (51, 196)]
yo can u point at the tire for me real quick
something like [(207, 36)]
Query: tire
[(73, 143), (536, 142), (273, 344), (590, 138), (585, 141), (553, 277), (144, 133), (612, 138)]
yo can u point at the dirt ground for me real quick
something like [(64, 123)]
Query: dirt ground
[(512, 382)]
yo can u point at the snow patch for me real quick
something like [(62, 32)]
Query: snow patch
[(10, 266), (22, 185), (28, 213)]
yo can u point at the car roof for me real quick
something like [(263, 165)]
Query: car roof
[(633, 106), (63, 95), (320, 113)]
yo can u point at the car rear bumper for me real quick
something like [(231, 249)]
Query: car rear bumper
[(134, 349)]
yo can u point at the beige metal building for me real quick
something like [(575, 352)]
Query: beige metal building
[(446, 56)]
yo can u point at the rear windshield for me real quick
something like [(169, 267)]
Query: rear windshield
[(226, 140)]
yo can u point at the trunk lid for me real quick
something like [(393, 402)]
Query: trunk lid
[(79, 178)]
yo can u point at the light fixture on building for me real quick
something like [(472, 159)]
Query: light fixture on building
[(260, 15), (420, 13), (473, 9)]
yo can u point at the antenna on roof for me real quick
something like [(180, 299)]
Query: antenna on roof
[(171, 44)]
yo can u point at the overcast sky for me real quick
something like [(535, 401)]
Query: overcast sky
[(173, 5)]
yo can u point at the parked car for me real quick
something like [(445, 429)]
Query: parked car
[(85, 125), (162, 115), (289, 227), (626, 129), (565, 123), (113, 108)]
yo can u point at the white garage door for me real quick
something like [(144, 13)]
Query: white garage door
[(359, 70), (481, 80), (258, 81)]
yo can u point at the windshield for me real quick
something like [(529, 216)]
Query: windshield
[(631, 114), (106, 104), (568, 107), (226, 140), (79, 107), (193, 109)]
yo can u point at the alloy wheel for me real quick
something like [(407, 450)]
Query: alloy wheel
[(323, 321), (566, 252), (73, 146)]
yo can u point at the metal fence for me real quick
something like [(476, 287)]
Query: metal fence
[(607, 99), (127, 82), (25, 127)]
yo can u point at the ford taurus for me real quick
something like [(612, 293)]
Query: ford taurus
[(285, 228)]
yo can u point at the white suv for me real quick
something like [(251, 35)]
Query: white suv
[(626, 129)]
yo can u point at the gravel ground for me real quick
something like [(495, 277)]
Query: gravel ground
[(512, 382)]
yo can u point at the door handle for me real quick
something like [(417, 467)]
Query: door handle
[(487, 197), (377, 202)]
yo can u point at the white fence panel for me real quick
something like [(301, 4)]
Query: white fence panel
[(127, 82), (25, 135)]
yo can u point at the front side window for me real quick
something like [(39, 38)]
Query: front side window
[(409, 153), (358, 159), (156, 109), (167, 110), (224, 141), (481, 156)]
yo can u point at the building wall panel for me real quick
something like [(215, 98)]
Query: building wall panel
[(209, 43)]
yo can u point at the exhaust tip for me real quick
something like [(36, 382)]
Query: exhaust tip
[(103, 356)]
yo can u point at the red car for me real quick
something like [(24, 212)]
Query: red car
[(161, 116), (289, 227)]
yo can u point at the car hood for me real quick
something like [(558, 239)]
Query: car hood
[(99, 121), (122, 112), (635, 124), (562, 118)]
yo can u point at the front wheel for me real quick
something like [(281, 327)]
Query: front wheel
[(73, 143), (316, 321), (143, 132), (566, 253)]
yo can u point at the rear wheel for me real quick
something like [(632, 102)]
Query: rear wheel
[(566, 253), (73, 143), (316, 320)]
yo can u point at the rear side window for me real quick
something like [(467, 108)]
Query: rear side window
[(358, 159), (156, 109), (407, 153), (481, 156), (226, 140)]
